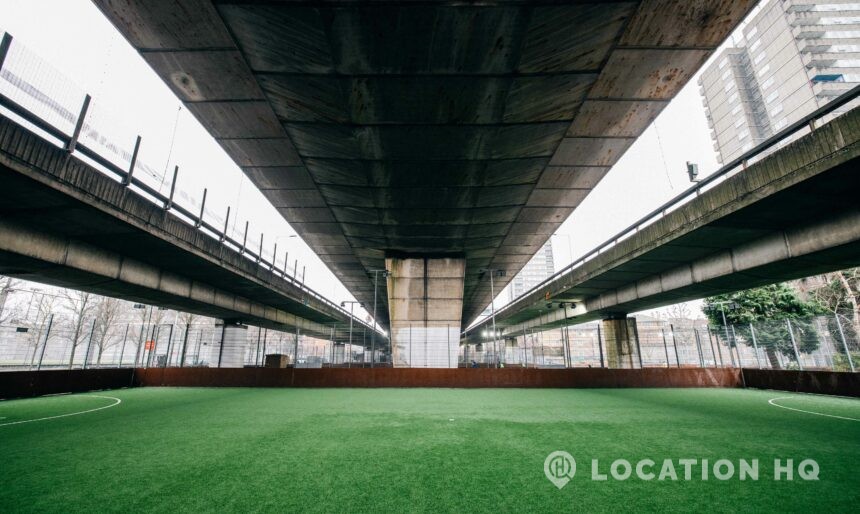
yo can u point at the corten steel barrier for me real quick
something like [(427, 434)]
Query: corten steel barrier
[(438, 377), (22, 384), (819, 382)]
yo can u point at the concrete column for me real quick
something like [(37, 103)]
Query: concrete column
[(619, 337), (425, 298), (234, 344)]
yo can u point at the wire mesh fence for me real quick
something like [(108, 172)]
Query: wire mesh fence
[(830, 342)]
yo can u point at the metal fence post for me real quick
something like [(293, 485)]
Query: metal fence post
[(199, 221), (296, 352), (124, 340), (221, 346), (719, 350), (600, 345), (184, 345), (755, 346), (699, 347), (126, 181), (169, 203), (73, 142), (665, 346), (226, 223), (4, 48), (675, 345), (737, 348), (45, 343), (844, 343), (263, 355), (794, 344), (89, 344)]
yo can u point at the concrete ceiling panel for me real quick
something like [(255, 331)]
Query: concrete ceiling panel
[(280, 177), (262, 152), (590, 151), (547, 98), (690, 23), (553, 45), (167, 25), (572, 177), (557, 197), (306, 214), (651, 74), (294, 197), (205, 75), (237, 119), (614, 118)]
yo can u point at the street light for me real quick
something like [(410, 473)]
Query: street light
[(351, 305)]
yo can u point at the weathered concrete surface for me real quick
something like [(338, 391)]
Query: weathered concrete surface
[(620, 340), (64, 223), (471, 129), (793, 214), (426, 299)]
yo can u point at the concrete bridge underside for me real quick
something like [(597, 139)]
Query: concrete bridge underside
[(64, 223), (793, 214), (448, 129)]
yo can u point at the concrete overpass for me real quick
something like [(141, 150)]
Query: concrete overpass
[(433, 140), (792, 214), (62, 222)]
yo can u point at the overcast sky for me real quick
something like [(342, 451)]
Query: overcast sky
[(130, 99)]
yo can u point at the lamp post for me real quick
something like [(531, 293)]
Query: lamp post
[(375, 273), (351, 305)]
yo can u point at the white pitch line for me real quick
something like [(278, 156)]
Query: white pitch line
[(117, 402), (805, 411)]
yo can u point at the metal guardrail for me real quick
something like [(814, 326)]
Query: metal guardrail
[(72, 144), (692, 192)]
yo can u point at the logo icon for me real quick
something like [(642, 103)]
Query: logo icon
[(559, 467)]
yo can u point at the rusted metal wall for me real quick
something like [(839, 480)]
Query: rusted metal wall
[(21, 384), (401, 377), (820, 382)]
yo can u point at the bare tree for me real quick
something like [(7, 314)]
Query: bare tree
[(107, 312), (80, 304), (7, 285), (187, 319), (39, 324)]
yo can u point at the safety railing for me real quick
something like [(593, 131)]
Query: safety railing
[(693, 191), (72, 132)]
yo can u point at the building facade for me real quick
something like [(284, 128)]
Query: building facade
[(538, 269), (792, 57)]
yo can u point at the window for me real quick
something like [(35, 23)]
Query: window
[(771, 97), (755, 45), (736, 109), (779, 124), (776, 110), (759, 58), (763, 71), (739, 122), (724, 62), (726, 74), (733, 97), (767, 83), (753, 31), (743, 134), (729, 86)]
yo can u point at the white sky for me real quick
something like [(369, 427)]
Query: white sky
[(74, 37)]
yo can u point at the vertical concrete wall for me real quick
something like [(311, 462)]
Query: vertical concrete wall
[(425, 298), (620, 343)]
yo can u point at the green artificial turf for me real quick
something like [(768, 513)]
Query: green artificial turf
[(429, 450)]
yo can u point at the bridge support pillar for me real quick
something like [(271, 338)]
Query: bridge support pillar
[(425, 298), (234, 343), (621, 342)]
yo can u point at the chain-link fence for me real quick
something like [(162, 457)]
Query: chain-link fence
[(827, 342)]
